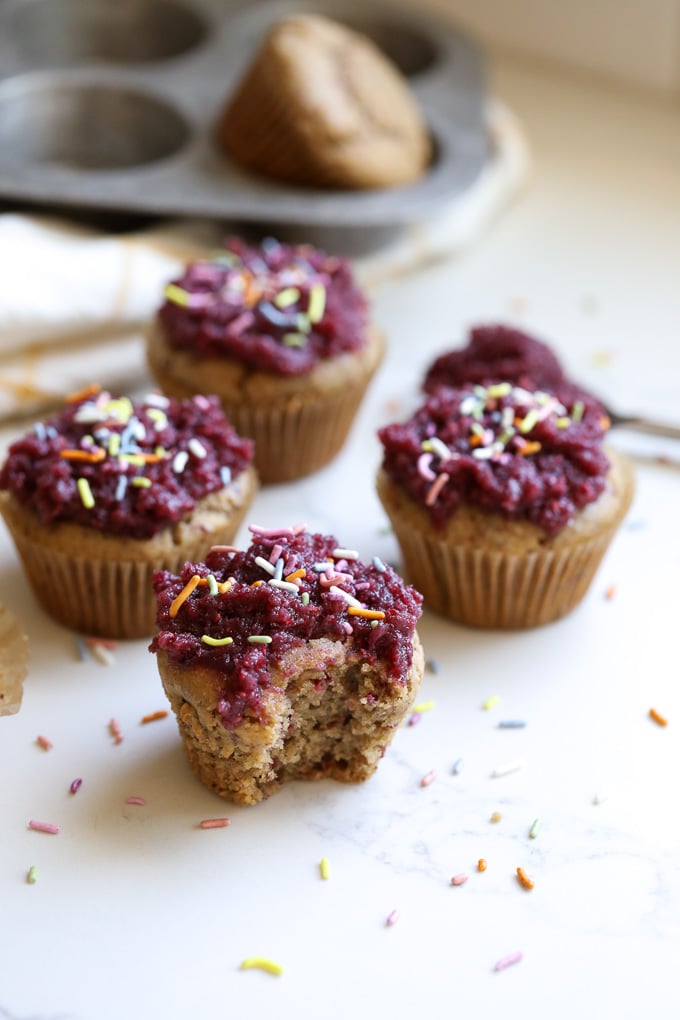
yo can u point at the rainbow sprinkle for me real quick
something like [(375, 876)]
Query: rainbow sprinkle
[(261, 963)]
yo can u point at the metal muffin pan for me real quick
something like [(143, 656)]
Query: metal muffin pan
[(111, 105)]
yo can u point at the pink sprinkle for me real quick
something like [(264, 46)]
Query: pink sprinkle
[(135, 800), (347, 627), (424, 468), (270, 532), (215, 823), (436, 488), (362, 585), (109, 643), (415, 718), (429, 777), (202, 402), (114, 730), (53, 830), (224, 548), (507, 961), (275, 553), (75, 785), (392, 918), (297, 529), (43, 742), (459, 880)]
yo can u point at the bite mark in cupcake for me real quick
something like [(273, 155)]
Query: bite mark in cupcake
[(291, 659)]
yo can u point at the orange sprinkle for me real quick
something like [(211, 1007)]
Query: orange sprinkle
[(657, 717), (88, 456), (610, 592), (153, 716), (223, 586), (368, 614), (474, 440), (524, 879), (529, 447), (256, 584), (296, 575), (481, 864), (150, 458), (44, 743), (89, 391), (184, 595), (605, 422), (214, 823)]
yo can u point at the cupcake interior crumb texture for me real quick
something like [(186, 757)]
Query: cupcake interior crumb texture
[(333, 722)]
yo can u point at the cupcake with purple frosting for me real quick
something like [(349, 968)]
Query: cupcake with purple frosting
[(503, 499), (110, 489), (281, 333)]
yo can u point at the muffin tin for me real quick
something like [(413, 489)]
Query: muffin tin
[(110, 105)]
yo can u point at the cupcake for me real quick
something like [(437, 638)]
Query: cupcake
[(503, 501), (281, 334), (320, 105), (99, 496), (13, 662), (290, 660)]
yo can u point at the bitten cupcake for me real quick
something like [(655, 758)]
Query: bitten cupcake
[(110, 489), (503, 501), (281, 334), (290, 660), (321, 105)]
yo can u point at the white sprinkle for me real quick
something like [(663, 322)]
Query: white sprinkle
[(225, 475), (266, 565), (121, 487), (437, 447), (180, 462), (600, 798), (285, 585), (87, 414), (156, 400), (508, 767), (379, 565), (196, 447), (349, 599), (346, 554), (102, 654), (457, 767)]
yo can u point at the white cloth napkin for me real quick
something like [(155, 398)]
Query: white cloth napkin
[(74, 302)]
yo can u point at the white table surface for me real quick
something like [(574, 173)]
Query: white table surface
[(138, 913)]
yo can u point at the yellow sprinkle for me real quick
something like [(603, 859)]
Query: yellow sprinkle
[(177, 295), (216, 642), (423, 706), (491, 702), (261, 963), (184, 595), (296, 575), (85, 493), (495, 817), (325, 868)]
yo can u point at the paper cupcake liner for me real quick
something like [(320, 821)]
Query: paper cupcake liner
[(292, 439), (297, 438), (514, 582), (492, 589)]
